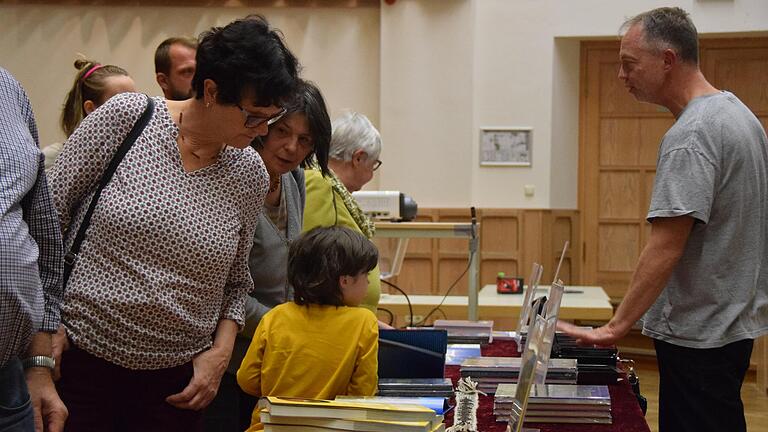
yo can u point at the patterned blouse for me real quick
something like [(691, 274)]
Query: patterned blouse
[(165, 256)]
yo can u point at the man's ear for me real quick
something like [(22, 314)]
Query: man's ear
[(89, 107), (670, 59), (162, 80)]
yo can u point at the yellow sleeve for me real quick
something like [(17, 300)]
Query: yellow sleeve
[(318, 209), (365, 377), (249, 373)]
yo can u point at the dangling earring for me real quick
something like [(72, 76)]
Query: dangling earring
[(208, 104)]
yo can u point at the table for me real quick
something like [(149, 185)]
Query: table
[(470, 231), (627, 416), (579, 303)]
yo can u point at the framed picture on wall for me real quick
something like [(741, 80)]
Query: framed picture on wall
[(506, 146)]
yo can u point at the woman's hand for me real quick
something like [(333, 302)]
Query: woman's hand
[(59, 344), (209, 367)]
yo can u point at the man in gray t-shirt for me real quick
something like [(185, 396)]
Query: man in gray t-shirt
[(702, 279)]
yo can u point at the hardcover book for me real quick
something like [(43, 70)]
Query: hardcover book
[(317, 408), (511, 364), (438, 404), (558, 393), (278, 423)]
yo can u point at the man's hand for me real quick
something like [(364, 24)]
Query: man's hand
[(606, 335), (209, 366), (659, 257), (59, 344), (50, 412)]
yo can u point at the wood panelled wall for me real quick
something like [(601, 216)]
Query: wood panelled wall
[(511, 240)]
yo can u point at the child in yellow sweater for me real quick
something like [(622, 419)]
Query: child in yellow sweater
[(320, 345)]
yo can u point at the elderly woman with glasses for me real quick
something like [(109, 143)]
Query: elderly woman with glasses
[(353, 157), (157, 292), (302, 135)]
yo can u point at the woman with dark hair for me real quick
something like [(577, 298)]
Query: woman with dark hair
[(94, 84), (301, 135), (157, 292)]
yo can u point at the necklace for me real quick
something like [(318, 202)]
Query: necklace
[(274, 185), (184, 142)]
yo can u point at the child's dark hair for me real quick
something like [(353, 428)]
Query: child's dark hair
[(318, 259)]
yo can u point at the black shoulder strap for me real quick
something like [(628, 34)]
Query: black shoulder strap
[(138, 128)]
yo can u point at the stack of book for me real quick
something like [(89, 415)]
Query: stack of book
[(555, 403), (312, 415), (597, 365), (565, 346), (415, 387), (489, 372), (468, 332)]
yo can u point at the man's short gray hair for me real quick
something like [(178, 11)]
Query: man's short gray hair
[(351, 132), (668, 27)]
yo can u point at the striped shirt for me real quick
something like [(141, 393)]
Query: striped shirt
[(30, 237)]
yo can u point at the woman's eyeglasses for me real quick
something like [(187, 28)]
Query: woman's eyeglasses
[(254, 121), (376, 164)]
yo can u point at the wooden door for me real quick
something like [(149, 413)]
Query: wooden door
[(620, 139), (741, 67)]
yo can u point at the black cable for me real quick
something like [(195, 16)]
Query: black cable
[(389, 312), (442, 312), (423, 320), (410, 308)]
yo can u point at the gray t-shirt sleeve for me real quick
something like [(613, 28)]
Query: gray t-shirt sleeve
[(684, 185)]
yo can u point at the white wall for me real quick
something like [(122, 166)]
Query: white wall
[(519, 61), (338, 47), (430, 73), (427, 100)]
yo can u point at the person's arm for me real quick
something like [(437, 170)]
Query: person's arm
[(44, 228), (657, 260), (50, 412), (364, 379), (249, 373), (319, 209), (209, 366)]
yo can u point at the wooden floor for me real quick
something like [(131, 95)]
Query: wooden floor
[(755, 401)]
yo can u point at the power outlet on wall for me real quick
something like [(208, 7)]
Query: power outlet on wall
[(417, 319)]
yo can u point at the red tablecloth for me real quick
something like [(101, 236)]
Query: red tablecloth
[(627, 416)]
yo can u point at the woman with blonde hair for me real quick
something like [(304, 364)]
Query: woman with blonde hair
[(94, 84)]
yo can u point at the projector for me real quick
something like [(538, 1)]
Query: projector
[(386, 205)]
